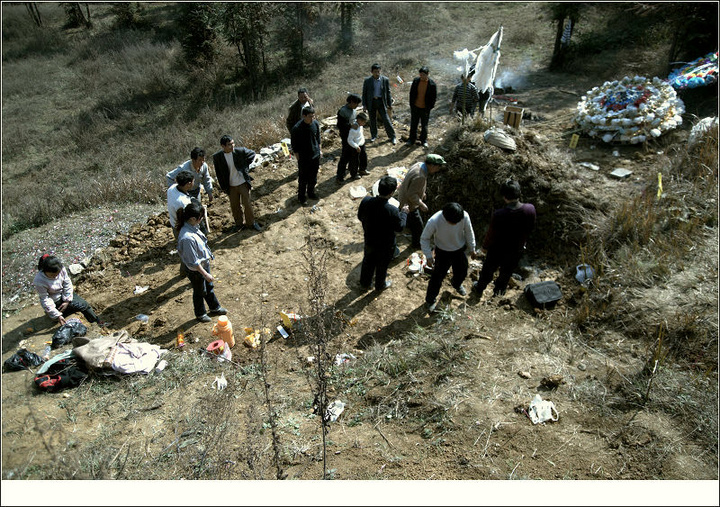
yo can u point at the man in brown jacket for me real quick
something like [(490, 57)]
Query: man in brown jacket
[(412, 193)]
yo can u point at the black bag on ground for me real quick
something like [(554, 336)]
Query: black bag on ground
[(64, 373), (68, 331), (22, 360), (543, 294)]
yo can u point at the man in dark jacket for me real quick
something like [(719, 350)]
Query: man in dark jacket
[(345, 118), (231, 168), (505, 240), (376, 98), (380, 220), (305, 138), (423, 93), (295, 110)]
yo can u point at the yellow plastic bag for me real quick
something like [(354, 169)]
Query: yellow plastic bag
[(252, 338)]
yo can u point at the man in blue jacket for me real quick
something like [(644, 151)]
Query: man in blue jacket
[(376, 98), (423, 93), (231, 168), (305, 139)]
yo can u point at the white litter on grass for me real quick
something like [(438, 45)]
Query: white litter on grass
[(140, 290), (334, 410), (219, 383), (621, 173), (541, 411), (343, 358), (589, 165), (358, 192)]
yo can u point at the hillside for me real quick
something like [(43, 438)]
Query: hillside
[(426, 396)]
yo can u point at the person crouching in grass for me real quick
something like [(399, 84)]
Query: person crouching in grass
[(196, 255)]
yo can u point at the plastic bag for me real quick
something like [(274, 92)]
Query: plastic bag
[(541, 410), (22, 360), (68, 331)]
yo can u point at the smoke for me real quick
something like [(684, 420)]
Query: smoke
[(513, 77)]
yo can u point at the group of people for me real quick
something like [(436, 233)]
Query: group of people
[(447, 240)]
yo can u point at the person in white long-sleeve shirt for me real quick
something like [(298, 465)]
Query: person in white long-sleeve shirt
[(55, 290), (450, 231), (358, 161)]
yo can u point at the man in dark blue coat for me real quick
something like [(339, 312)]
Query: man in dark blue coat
[(376, 98), (305, 139), (380, 220)]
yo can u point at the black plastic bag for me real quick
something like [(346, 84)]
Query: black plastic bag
[(22, 360), (68, 331)]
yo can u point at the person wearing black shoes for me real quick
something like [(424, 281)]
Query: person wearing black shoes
[(305, 138), (196, 255), (505, 240), (345, 119), (380, 220)]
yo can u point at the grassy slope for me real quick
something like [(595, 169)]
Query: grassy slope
[(105, 111)]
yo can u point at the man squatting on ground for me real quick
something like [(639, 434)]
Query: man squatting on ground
[(380, 220), (505, 240), (196, 255), (412, 193), (345, 119), (232, 170), (200, 171), (305, 138), (451, 231), (55, 290), (376, 98)]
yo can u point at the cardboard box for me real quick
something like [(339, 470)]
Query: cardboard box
[(513, 116)]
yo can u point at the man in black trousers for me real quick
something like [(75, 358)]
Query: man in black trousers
[(381, 220), (305, 138)]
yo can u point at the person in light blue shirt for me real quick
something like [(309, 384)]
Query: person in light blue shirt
[(196, 256), (451, 232), (200, 171)]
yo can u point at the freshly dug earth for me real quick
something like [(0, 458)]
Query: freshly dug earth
[(427, 397)]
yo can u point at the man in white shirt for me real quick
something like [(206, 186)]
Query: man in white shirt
[(232, 167), (178, 198), (452, 234)]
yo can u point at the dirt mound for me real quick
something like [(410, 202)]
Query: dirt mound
[(542, 170)]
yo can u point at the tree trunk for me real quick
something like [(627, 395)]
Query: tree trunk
[(346, 30), (558, 51), (34, 13)]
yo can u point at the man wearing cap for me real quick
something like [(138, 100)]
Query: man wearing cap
[(345, 118), (376, 99), (412, 193), (423, 93)]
